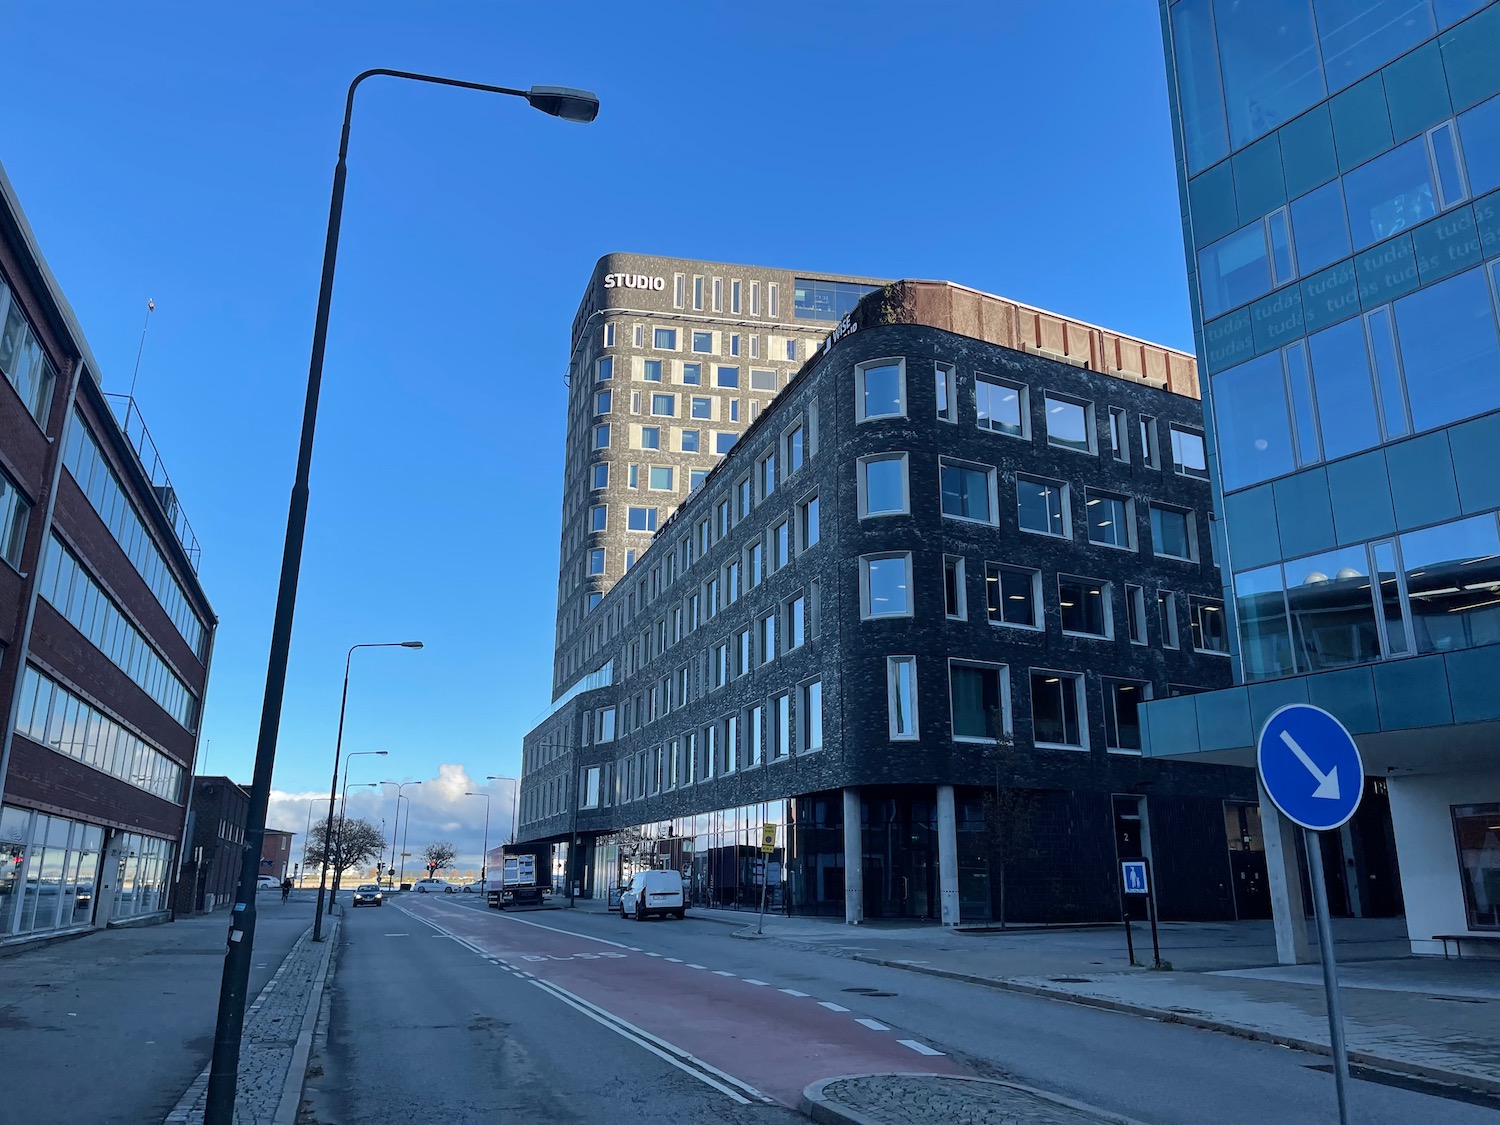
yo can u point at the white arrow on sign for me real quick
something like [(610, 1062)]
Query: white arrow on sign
[(1328, 783)]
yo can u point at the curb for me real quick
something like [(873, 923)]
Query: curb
[(1162, 1015), (296, 1074), (818, 1106)]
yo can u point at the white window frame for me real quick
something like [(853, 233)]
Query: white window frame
[(1107, 592), (1089, 427), (961, 582), (859, 389), (1023, 404), (864, 586), (1067, 506), (862, 492), (992, 483), (1129, 502), (1135, 598), (891, 681), (1036, 598), (1110, 715), (1081, 700), (945, 386), (1190, 521), (1007, 725)]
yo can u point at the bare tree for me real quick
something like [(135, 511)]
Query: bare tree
[(1009, 810), (438, 856), (355, 843)]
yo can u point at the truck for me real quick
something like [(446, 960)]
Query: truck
[(522, 883)]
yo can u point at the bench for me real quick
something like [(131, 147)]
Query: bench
[(1458, 941)]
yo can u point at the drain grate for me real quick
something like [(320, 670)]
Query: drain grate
[(1070, 980), (875, 992)]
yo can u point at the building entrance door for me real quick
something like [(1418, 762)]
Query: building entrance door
[(1247, 861)]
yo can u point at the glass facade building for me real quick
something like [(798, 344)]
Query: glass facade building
[(1339, 169)]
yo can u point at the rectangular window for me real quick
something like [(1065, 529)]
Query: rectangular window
[(955, 600), (883, 486), (688, 440), (1056, 707), (945, 380), (1135, 612), (742, 650), (755, 719), (1476, 838), (967, 491), (679, 285), (977, 696), (721, 519), (701, 407), (768, 638), (1110, 518), (665, 339), (1085, 606), (744, 492), (810, 715), (901, 693), (767, 475), (755, 570), (1014, 595), (596, 560), (1393, 192), (602, 402), (1148, 443), (734, 296), (755, 298), (796, 622), (597, 517), (15, 512), (773, 299), (1172, 533), (642, 519), (1188, 458), (660, 478), (1001, 406), (692, 374), (1166, 608), (718, 291), (601, 436), (791, 349), (638, 335), (734, 410), (1119, 445), (599, 476), (609, 334), (781, 733), (762, 380), (794, 449), (724, 440), (880, 390), (703, 343), (781, 546), (652, 370), (664, 406), (1070, 424), (690, 758), (754, 345), (808, 522), (721, 665), (698, 293), (734, 343), (1042, 506), (1122, 720), (726, 376), (885, 585), (1210, 630), (650, 437)]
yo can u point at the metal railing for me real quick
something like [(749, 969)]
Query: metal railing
[(138, 437)]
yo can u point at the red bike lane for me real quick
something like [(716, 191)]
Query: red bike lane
[(772, 1037)]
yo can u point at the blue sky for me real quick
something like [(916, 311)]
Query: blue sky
[(183, 152)]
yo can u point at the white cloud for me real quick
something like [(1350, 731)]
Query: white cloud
[(439, 811)]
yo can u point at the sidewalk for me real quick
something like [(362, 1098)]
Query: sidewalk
[(925, 1099)]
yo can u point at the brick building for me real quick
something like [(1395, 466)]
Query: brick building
[(276, 854), (211, 866), (911, 616), (106, 631)]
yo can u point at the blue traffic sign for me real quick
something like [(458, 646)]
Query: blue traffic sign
[(1133, 873), (1310, 766)]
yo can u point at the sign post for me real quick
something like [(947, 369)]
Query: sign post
[(1135, 878), (767, 846), (1311, 770)]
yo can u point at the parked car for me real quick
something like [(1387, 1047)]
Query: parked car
[(653, 892), (264, 881), (474, 888), (368, 894), (434, 886)]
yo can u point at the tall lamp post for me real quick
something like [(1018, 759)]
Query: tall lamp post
[(339, 844), (396, 822), (573, 105), (515, 800), (484, 859)]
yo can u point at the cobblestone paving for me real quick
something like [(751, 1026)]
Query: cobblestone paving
[(926, 1099), (272, 1025)]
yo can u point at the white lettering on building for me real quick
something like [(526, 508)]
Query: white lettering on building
[(634, 281), (846, 327)]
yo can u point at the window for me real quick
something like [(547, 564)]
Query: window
[(1391, 193), (1119, 445), (1206, 620), (1013, 594), (698, 293), (885, 585), (692, 373), (1148, 443), (883, 485), (781, 546), (773, 299), (810, 715), (742, 651), (1056, 703), (1188, 458), (689, 758), (734, 296), (734, 410), (734, 343), (601, 436), (808, 522), (660, 478), (744, 492), (955, 599), (1085, 606), (596, 560), (1110, 518), (664, 406), (701, 407), (665, 339), (678, 287), (15, 510), (945, 379), (703, 344), (609, 334), (604, 370), (602, 402), (755, 298), (650, 437), (1172, 533), (796, 622), (651, 368), (755, 717), (794, 449), (1166, 607), (721, 519), (768, 638), (1001, 406), (641, 519), (762, 380), (1122, 719), (977, 698), (597, 517), (1135, 612), (880, 390), (767, 475), (688, 440), (791, 349), (1070, 424), (781, 731), (718, 290), (754, 565), (967, 491), (726, 377), (599, 476), (901, 694), (1476, 838), (724, 440), (1043, 506), (721, 665), (638, 335)]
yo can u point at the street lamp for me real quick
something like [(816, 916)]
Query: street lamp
[(399, 798), (280, 676), (515, 800), (559, 101), (343, 804), (484, 859)]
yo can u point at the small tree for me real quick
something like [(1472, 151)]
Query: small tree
[(355, 843), (438, 856), (1008, 813)]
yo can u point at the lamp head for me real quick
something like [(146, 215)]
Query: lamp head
[(411, 644), (564, 102)]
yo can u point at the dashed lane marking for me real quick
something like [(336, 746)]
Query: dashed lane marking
[(793, 992), (920, 1048), (752, 980), (692, 966), (831, 1006), (873, 1025), (722, 973), (675, 960)]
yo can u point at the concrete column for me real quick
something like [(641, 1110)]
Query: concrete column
[(1285, 876), (854, 857), (947, 826)]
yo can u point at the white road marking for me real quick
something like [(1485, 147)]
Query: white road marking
[(692, 966), (398, 935), (873, 1025), (752, 980), (920, 1048), (675, 960), (557, 930), (793, 992), (650, 954), (722, 973), (633, 948), (831, 1006)]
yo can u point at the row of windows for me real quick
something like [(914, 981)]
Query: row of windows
[(75, 594), (1245, 69), (664, 404), (716, 290), (969, 491), (97, 479), (21, 359), (52, 716), (692, 374), (1427, 359), (704, 341), (15, 514)]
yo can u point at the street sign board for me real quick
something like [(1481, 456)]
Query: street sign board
[(768, 838), (1133, 876), (1310, 766)]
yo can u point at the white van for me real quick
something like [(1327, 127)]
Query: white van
[(653, 892)]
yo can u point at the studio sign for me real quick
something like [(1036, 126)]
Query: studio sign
[(634, 281)]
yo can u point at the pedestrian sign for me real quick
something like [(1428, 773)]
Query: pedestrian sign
[(768, 838), (1133, 873), (1310, 766)]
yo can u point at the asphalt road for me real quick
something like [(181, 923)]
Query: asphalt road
[(446, 1011)]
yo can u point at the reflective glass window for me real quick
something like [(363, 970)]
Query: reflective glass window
[(1283, 268), (1304, 410), (1269, 56), (1332, 609), (727, 377), (652, 370), (1001, 405), (966, 492), (1258, 184), (1453, 583), (1476, 831), (1416, 91), (1054, 708), (1188, 456), (1171, 533), (1234, 270), (1389, 194), (1469, 54), (1260, 610), (1108, 518), (1479, 131), (689, 440), (665, 338), (1320, 228), (1389, 597), (887, 586), (1254, 434), (660, 478), (1359, 35), (1010, 592), (1449, 350), (692, 374), (978, 701), (650, 437), (884, 485), (881, 391), (1084, 604), (1361, 122), (1042, 505), (1346, 396), (1450, 178), (1199, 88), (1122, 722), (1068, 424), (1206, 620), (1308, 157), (1387, 373)]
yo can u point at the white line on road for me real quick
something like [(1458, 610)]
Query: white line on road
[(675, 960), (752, 980), (793, 992), (831, 1006), (873, 1025), (920, 1048), (722, 973), (693, 966), (570, 933), (650, 954), (398, 935)]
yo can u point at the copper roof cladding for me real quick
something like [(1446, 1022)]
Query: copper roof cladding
[(999, 320)]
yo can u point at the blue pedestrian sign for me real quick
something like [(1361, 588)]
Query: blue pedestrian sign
[(1310, 766), (1133, 874)]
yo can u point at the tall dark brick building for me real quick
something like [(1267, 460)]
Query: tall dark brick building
[(105, 631), (911, 617)]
